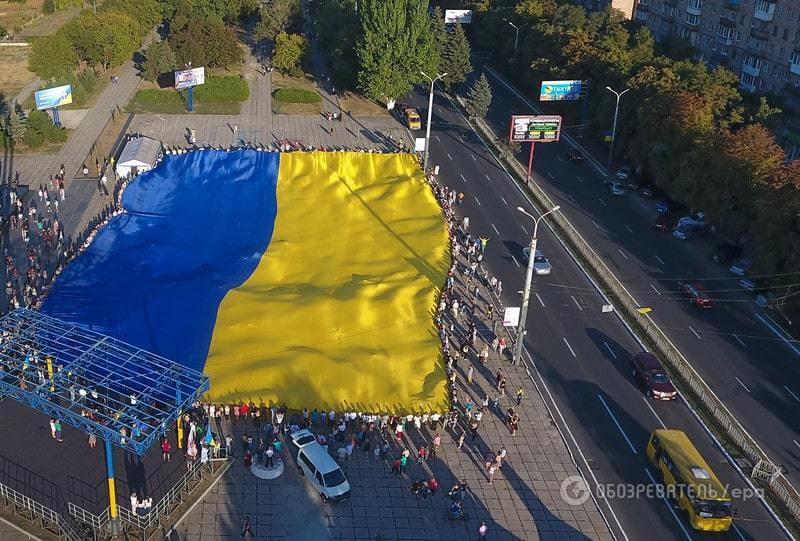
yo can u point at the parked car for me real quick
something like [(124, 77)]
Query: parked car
[(725, 252), (666, 206), (541, 265), (648, 191), (319, 468), (574, 156), (697, 219), (689, 231), (650, 374), (741, 267), (696, 293), (663, 222), (624, 173), (614, 188)]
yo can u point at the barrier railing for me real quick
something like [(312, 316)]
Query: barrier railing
[(761, 467), (39, 514)]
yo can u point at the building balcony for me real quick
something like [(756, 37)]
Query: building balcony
[(794, 68), (765, 11), (761, 34), (642, 6), (694, 7), (747, 87), (756, 47), (643, 16), (750, 70)]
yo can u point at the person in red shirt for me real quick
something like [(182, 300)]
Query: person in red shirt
[(433, 484), (165, 449)]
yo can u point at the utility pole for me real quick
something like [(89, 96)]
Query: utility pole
[(614, 127), (430, 113), (516, 35)]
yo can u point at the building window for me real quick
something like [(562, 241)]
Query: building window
[(747, 79), (780, 52), (762, 5), (693, 20), (794, 58), (796, 38), (762, 84), (771, 48), (738, 35), (789, 13), (785, 34), (695, 4)]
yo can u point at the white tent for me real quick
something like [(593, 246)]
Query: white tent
[(138, 156)]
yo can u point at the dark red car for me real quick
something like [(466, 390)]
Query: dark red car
[(650, 374), (663, 222), (696, 293)]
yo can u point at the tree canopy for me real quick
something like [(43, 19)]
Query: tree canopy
[(455, 57), (205, 42)]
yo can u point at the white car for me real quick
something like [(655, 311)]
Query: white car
[(541, 265), (319, 468)]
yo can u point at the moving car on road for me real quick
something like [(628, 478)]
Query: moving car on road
[(574, 156), (412, 118), (614, 188), (650, 374), (696, 293), (689, 231), (663, 222), (319, 468), (741, 267), (541, 265), (624, 173)]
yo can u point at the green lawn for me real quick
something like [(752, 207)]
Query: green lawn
[(169, 102)]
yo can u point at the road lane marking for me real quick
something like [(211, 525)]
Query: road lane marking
[(549, 174), (595, 224), (487, 177), (779, 334), (503, 200), (437, 138), (540, 300), (742, 384), (795, 442), (788, 390), (579, 178), (669, 506), (571, 198), (462, 177), (619, 426), (695, 333), (479, 201), (569, 347), (576, 303), (654, 289), (628, 228), (495, 229), (474, 158), (622, 253), (611, 351), (739, 340), (515, 260), (647, 403), (449, 156), (523, 228), (659, 259), (602, 202), (738, 532)]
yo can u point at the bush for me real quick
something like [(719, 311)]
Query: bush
[(48, 7), (56, 134), (227, 89), (296, 95), (158, 97), (33, 138), (39, 121)]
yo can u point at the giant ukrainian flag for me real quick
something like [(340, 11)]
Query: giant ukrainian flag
[(305, 278)]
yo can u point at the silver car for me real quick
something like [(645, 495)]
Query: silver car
[(540, 263)]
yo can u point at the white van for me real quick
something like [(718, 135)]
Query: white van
[(320, 469)]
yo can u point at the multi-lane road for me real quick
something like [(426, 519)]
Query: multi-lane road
[(579, 355)]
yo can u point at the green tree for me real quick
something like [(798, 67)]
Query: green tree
[(396, 44), (15, 125), (148, 13), (52, 57), (290, 51), (48, 7), (159, 58), (439, 31), (339, 29), (479, 97), (275, 17), (206, 42), (455, 57)]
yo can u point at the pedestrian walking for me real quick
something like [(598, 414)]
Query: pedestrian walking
[(247, 528), (520, 395), (437, 442), (396, 467), (85, 171), (501, 456), (53, 428), (165, 449), (270, 455), (461, 438), (59, 438), (473, 429), (492, 469), (469, 375), (482, 529)]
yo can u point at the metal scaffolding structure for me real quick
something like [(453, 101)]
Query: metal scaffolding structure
[(122, 394)]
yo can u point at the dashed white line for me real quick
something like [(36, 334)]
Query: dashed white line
[(738, 532), (695, 333), (788, 390), (569, 347), (549, 174), (654, 289), (622, 253), (669, 506), (523, 228), (778, 333), (602, 202), (571, 198), (540, 300), (647, 403), (579, 179), (449, 156), (478, 201), (437, 138), (619, 426), (742, 384), (495, 229), (795, 442), (611, 351), (503, 200), (739, 340), (629, 229), (462, 177), (515, 260), (659, 259), (487, 177), (474, 158), (576, 303), (595, 224)]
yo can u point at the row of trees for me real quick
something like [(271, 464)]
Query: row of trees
[(688, 127)]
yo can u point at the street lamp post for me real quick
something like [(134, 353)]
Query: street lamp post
[(516, 34), (526, 293), (430, 113), (614, 127)]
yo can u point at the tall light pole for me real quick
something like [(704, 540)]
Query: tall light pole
[(430, 113), (614, 127), (526, 293), (516, 34)]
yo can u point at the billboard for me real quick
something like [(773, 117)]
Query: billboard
[(461, 16), (560, 91), (50, 98), (536, 128), (190, 77)]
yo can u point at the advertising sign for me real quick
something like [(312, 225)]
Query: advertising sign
[(511, 316), (535, 128), (461, 16), (560, 91), (419, 144), (50, 98), (190, 77)]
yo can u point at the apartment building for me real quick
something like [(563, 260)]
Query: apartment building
[(759, 40)]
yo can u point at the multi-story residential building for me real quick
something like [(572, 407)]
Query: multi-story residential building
[(759, 40)]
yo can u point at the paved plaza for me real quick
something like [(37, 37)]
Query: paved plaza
[(524, 500)]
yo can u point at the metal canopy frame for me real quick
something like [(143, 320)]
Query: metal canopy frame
[(96, 383)]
